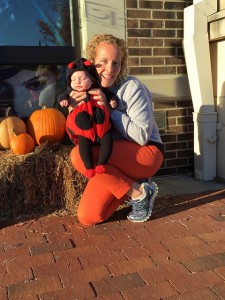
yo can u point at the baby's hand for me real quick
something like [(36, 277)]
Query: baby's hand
[(113, 103), (64, 103)]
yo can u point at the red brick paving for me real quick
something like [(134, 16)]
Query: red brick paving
[(178, 254)]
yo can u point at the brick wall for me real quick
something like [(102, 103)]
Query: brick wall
[(154, 35), (178, 136)]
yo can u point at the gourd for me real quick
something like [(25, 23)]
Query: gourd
[(47, 124), (6, 127), (21, 143)]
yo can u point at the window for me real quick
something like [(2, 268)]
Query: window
[(35, 31), (24, 89)]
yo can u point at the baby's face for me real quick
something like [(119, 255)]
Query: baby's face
[(80, 81)]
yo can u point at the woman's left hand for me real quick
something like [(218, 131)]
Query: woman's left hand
[(100, 97)]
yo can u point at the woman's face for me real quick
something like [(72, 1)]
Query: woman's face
[(108, 63)]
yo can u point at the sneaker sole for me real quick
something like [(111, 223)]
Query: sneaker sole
[(150, 206)]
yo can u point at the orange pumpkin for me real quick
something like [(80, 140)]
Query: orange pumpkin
[(6, 127), (22, 143), (47, 124)]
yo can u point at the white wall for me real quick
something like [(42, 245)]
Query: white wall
[(100, 16), (218, 70)]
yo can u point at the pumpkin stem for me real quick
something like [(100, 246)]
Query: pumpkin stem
[(43, 106), (13, 131), (10, 112)]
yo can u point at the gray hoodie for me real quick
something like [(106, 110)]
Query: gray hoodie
[(133, 119)]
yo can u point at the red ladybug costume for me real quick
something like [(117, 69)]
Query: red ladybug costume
[(90, 122)]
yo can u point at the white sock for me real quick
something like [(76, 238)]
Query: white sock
[(140, 197)]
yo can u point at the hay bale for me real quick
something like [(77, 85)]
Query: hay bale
[(43, 181)]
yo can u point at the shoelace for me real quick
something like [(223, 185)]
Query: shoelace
[(138, 206)]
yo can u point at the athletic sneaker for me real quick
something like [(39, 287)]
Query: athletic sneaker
[(142, 209)]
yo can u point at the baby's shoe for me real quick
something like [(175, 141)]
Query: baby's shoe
[(100, 169), (89, 173)]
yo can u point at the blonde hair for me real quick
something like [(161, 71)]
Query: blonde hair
[(90, 51)]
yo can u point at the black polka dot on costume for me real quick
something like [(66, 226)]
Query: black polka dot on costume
[(99, 115), (84, 120)]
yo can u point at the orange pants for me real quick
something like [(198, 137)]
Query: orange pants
[(105, 192)]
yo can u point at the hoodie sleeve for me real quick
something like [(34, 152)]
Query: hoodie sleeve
[(136, 121), (64, 96)]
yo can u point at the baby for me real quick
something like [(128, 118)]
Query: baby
[(89, 122)]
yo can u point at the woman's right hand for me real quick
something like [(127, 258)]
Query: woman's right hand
[(77, 98)]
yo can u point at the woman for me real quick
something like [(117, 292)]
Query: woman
[(137, 146)]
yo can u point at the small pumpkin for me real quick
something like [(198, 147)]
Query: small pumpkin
[(6, 127), (21, 143), (47, 124)]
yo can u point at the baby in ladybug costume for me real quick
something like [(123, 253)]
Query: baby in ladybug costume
[(89, 122)]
